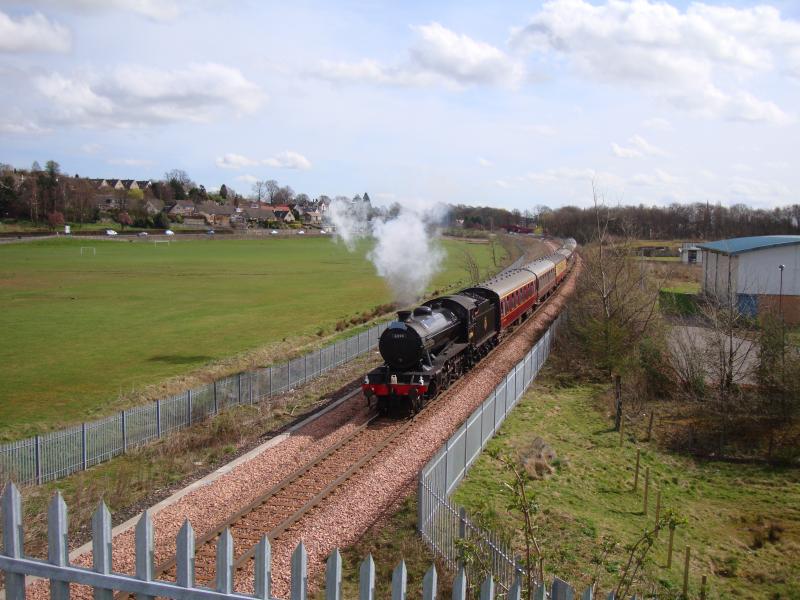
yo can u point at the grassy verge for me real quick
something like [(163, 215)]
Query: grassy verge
[(89, 335), (130, 483), (743, 521)]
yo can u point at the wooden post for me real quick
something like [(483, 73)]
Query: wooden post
[(686, 572), (650, 426), (669, 546), (646, 487), (658, 511), (636, 471), (703, 583)]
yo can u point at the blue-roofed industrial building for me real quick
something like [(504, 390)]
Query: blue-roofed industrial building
[(760, 273)]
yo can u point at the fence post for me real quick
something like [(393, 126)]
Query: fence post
[(420, 501), (84, 447), (158, 417), (686, 571), (215, 397), (239, 387), (37, 455), (188, 407), (270, 381), (124, 432)]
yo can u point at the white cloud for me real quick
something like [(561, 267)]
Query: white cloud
[(658, 178), (438, 56), (130, 162), (235, 161), (638, 148), (284, 160), (484, 162), (502, 183), (249, 179), (91, 148), (135, 96), (157, 10), (672, 54), (658, 124), (288, 160), (32, 33), (22, 127)]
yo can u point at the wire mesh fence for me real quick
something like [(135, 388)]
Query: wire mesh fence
[(445, 527), (55, 455)]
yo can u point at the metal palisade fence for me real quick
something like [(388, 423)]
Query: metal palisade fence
[(444, 526), (15, 566), (55, 455)]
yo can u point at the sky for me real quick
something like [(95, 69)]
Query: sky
[(508, 104)]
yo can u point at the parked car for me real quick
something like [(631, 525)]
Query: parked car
[(273, 232), (142, 234), (110, 232), (301, 232), (169, 232)]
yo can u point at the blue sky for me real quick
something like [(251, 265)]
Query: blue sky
[(512, 104)]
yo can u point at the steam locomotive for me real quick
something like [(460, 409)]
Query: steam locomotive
[(427, 349)]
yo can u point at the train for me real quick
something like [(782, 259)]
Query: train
[(428, 348)]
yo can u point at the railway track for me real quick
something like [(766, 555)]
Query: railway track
[(285, 504)]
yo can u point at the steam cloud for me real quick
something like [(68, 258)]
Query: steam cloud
[(406, 253)]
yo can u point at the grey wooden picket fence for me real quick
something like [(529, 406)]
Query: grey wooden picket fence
[(55, 455), (15, 566)]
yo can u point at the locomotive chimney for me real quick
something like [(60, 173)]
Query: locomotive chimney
[(403, 315)]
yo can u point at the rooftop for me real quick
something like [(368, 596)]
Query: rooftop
[(749, 244)]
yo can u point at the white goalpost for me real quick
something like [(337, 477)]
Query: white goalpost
[(87, 249), (157, 242)]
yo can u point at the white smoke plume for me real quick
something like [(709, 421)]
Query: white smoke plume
[(407, 253)]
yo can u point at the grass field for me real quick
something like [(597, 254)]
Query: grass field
[(79, 331), (743, 521)]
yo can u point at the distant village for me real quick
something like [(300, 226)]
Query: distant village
[(47, 196)]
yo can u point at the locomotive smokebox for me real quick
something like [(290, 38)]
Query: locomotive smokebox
[(400, 346), (403, 315)]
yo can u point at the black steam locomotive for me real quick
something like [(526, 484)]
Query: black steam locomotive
[(428, 348)]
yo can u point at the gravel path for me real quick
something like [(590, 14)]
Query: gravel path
[(358, 503)]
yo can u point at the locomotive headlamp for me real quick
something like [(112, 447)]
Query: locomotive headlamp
[(366, 379), (393, 379)]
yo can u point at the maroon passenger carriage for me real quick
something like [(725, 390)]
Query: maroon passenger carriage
[(426, 349)]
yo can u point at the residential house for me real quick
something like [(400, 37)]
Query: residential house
[(217, 214), (313, 217), (153, 206), (183, 208), (283, 213), (259, 216)]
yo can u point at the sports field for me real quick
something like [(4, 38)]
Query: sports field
[(79, 331)]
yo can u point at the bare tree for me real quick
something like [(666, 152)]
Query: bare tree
[(271, 190), (470, 265), (260, 190)]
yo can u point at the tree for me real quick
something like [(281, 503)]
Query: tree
[(55, 220), (161, 220), (124, 219), (223, 192), (283, 196), (271, 190), (260, 189)]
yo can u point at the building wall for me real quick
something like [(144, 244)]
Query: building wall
[(758, 271), (720, 273)]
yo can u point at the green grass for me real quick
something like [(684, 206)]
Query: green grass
[(685, 287), (79, 331), (727, 506)]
